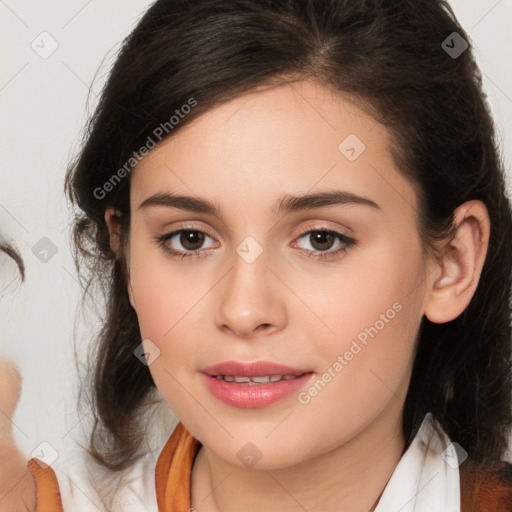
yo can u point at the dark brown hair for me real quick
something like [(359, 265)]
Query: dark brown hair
[(10, 250), (388, 56)]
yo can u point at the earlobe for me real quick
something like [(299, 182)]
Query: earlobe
[(461, 264)]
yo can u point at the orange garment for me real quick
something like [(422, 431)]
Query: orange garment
[(47, 488), (173, 471), (485, 487)]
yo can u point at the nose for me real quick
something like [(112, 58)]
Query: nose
[(252, 299)]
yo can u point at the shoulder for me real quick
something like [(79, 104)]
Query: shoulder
[(486, 486)]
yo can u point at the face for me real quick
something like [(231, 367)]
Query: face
[(332, 288)]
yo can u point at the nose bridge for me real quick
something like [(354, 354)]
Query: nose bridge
[(249, 275), (249, 298)]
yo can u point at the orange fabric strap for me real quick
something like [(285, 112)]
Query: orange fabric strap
[(174, 469), (47, 488)]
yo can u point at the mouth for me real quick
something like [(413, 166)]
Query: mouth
[(253, 385), (256, 372), (254, 381)]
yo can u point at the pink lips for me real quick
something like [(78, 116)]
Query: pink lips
[(257, 369), (253, 395)]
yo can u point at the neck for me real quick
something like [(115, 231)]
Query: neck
[(350, 477)]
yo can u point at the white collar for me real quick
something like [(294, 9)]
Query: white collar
[(422, 480)]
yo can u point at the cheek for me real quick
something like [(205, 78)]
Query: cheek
[(166, 309), (366, 366), (373, 311), (168, 306), (163, 295), (375, 295)]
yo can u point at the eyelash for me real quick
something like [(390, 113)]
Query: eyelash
[(349, 242)]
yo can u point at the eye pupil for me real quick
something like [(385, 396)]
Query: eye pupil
[(318, 236), (188, 237)]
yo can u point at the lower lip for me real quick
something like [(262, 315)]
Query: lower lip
[(254, 396)]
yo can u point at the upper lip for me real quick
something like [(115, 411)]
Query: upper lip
[(256, 369)]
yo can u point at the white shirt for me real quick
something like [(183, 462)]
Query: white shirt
[(426, 479)]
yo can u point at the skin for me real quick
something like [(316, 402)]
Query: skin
[(17, 487), (338, 451)]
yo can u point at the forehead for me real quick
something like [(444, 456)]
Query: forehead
[(289, 139)]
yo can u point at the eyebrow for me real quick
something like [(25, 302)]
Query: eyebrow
[(286, 204)]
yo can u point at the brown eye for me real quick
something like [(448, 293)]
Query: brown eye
[(185, 243), (321, 240), (191, 239)]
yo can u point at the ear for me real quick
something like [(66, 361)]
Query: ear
[(113, 220), (460, 265)]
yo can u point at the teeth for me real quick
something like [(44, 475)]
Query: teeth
[(261, 380), (266, 379)]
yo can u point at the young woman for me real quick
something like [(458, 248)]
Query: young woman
[(297, 211)]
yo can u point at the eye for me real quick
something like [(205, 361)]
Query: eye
[(190, 239), (322, 239)]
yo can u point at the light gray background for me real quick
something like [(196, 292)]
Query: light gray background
[(43, 110)]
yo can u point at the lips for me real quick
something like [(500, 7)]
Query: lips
[(253, 385), (256, 369)]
